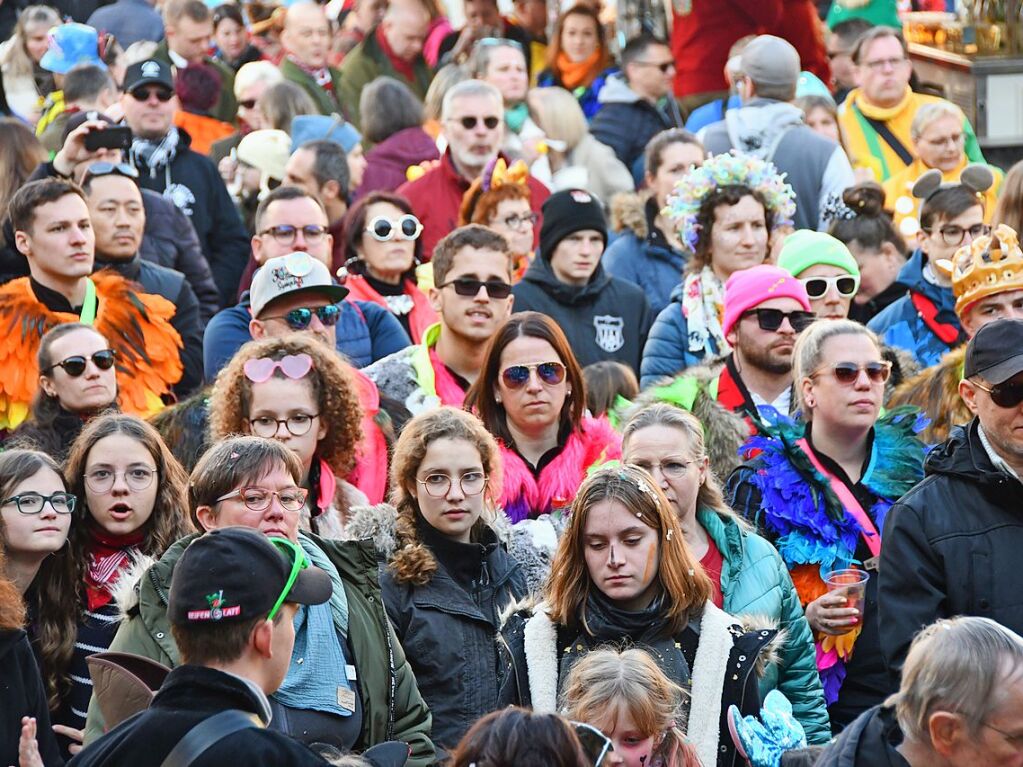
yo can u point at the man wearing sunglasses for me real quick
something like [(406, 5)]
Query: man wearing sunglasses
[(472, 270), (232, 602), (952, 544), (118, 220), (161, 153), (472, 118), (638, 103), (290, 221)]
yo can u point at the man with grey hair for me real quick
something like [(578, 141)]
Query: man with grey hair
[(769, 127), (472, 122), (960, 704), (320, 168)]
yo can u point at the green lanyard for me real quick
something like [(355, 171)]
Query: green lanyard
[(88, 315)]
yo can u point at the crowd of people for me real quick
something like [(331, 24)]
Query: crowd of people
[(535, 391)]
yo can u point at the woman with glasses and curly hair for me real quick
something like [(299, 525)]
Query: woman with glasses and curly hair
[(531, 395), (820, 490), (624, 574), (133, 501), (348, 685), (297, 391), (448, 577)]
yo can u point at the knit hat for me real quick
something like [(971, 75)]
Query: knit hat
[(323, 127), (567, 212), (769, 60), (749, 288), (807, 248), (267, 150)]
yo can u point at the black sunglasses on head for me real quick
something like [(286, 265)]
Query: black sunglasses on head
[(771, 319), (466, 287), (75, 366)]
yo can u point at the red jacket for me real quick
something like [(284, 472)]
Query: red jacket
[(437, 195), (801, 26)]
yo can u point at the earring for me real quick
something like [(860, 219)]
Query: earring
[(497, 398), (810, 402)]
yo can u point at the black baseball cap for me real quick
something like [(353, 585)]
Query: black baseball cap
[(995, 353), (148, 72), (237, 573)]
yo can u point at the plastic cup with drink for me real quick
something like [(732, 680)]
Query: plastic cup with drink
[(851, 584)]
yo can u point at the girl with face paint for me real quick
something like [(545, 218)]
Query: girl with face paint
[(623, 574)]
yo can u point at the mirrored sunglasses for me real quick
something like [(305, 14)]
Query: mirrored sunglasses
[(549, 373)]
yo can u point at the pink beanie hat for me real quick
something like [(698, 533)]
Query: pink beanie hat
[(750, 287)]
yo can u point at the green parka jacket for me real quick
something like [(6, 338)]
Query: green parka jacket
[(755, 581), (393, 707)]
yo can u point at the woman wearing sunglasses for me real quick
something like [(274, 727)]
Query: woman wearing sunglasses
[(531, 396), (35, 518), (132, 504), (449, 577), (77, 380), (821, 488), (348, 685), (623, 574), (382, 248), (297, 391), (747, 574)]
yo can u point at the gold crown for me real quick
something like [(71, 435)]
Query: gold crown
[(990, 264)]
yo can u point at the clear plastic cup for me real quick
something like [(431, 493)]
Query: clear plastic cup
[(851, 584)]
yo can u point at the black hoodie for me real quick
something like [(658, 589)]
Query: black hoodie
[(605, 319), (952, 546), (870, 741)]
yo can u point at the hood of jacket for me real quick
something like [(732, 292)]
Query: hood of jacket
[(617, 91), (756, 128), (870, 739), (541, 274), (408, 147), (637, 213), (911, 277), (964, 456)]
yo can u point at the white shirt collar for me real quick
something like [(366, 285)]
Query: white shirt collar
[(177, 60), (781, 404)]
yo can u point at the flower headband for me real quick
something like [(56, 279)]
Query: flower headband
[(294, 366), (728, 170), (497, 173)]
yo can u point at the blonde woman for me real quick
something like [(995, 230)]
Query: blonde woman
[(577, 159), (25, 83)]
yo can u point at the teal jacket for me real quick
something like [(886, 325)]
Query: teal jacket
[(755, 581)]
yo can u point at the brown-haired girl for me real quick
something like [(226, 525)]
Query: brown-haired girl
[(297, 391), (623, 574), (499, 199), (449, 577), (578, 59)]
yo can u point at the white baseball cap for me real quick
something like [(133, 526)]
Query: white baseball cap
[(289, 275)]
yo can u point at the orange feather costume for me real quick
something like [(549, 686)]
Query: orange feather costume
[(136, 325)]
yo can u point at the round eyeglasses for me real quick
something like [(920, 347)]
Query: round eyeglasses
[(439, 485), (298, 425), (136, 478)]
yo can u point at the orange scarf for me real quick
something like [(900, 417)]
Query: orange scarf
[(576, 73)]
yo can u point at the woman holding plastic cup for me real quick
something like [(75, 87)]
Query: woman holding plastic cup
[(819, 489)]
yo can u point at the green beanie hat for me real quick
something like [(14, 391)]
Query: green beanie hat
[(880, 13), (806, 248)]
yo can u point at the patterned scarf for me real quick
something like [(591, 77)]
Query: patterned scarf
[(703, 306), (107, 556), (320, 74), (155, 155)]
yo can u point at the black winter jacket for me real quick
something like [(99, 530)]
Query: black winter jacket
[(189, 696), (869, 741), (22, 694), (161, 281), (605, 319), (448, 628), (952, 546), (193, 182)]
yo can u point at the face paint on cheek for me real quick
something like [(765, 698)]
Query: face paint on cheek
[(651, 562)]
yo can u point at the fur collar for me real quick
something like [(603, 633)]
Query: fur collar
[(628, 211), (125, 591)]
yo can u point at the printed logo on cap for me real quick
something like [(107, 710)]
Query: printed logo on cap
[(284, 279), (217, 609), (150, 69), (580, 196), (610, 337)]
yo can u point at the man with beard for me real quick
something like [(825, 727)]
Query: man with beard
[(472, 117), (472, 270), (766, 308)]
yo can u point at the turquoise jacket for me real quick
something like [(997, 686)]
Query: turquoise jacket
[(755, 581)]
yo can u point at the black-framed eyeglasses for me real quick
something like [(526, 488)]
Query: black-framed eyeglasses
[(953, 235), (300, 318), (135, 477), (515, 221), (285, 234), (75, 365), (771, 319), (848, 373), (259, 498), (33, 502), (664, 66), (97, 169), (162, 94), (1008, 394), (297, 424), (439, 485), (467, 287), (596, 745), (469, 123)]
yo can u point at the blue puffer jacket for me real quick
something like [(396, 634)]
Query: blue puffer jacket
[(755, 581), (640, 253), (901, 325), (585, 95), (667, 346)]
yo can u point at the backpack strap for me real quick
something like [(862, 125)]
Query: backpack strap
[(207, 734), (928, 311), (882, 130)]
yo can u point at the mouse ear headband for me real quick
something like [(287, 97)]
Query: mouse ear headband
[(976, 177)]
